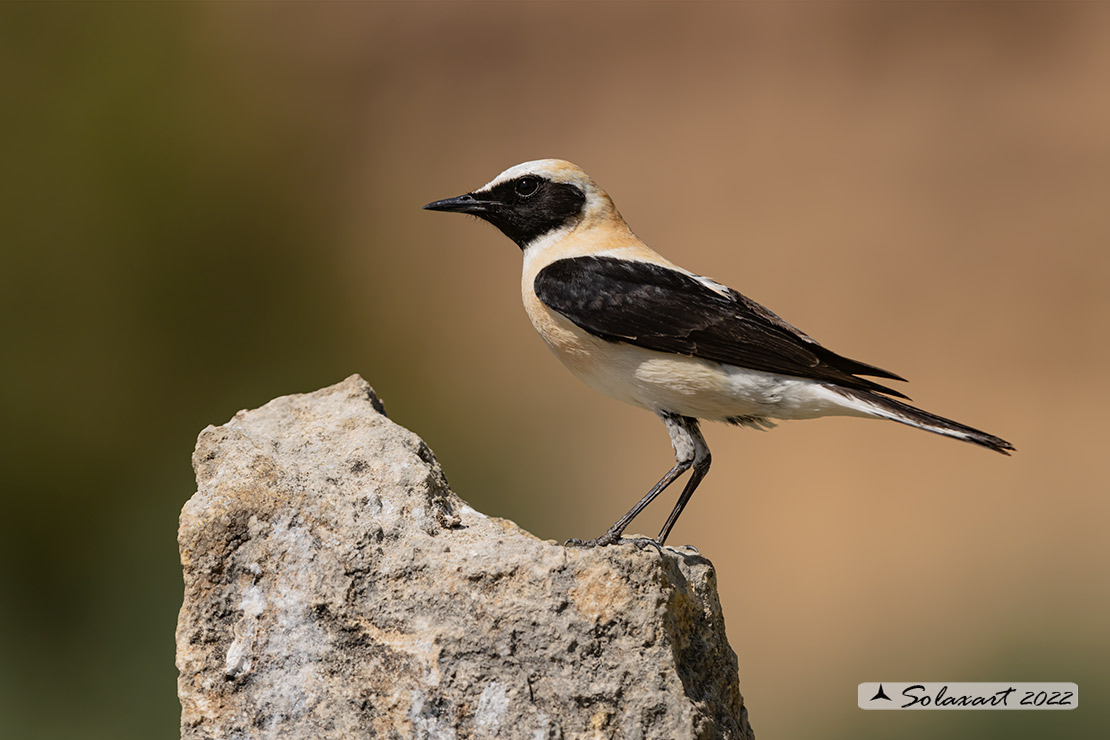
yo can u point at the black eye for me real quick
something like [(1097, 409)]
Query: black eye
[(527, 186)]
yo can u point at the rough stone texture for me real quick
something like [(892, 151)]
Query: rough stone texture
[(335, 588)]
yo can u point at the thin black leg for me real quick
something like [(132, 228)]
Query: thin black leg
[(690, 451), (700, 469), (613, 535)]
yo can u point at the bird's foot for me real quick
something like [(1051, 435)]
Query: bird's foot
[(609, 538), (612, 538), (643, 542)]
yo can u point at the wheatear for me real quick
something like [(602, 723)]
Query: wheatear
[(645, 331)]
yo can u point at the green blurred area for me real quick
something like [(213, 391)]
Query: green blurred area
[(205, 206), (158, 272)]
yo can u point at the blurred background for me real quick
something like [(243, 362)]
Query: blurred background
[(205, 206)]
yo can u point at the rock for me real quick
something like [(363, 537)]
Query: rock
[(336, 588)]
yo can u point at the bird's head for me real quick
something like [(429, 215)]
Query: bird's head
[(533, 199)]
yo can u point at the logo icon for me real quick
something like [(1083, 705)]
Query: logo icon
[(881, 694)]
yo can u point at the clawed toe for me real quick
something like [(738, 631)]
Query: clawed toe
[(603, 541)]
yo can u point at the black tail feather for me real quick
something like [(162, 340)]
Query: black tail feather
[(889, 408)]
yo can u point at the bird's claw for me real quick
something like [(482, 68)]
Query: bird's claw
[(610, 538), (604, 540)]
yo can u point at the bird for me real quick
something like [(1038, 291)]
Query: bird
[(641, 329)]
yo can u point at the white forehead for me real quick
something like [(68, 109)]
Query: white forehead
[(556, 170)]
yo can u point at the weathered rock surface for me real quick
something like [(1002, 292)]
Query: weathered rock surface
[(336, 588)]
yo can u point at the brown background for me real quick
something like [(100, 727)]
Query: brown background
[(208, 205)]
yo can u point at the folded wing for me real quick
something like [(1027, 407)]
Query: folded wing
[(660, 308)]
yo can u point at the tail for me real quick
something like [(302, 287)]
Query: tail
[(887, 408)]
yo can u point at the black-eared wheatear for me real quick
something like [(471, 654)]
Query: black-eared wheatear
[(643, 330)]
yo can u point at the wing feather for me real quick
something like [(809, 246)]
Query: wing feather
[(659, 308)]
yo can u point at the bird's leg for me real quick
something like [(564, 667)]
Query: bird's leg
[(613, 535), (702, 459), (689, 450)]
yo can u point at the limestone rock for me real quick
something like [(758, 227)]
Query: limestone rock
[(336, 588)]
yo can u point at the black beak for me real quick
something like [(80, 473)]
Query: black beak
[(461, 204)]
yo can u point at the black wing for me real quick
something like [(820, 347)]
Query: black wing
[(659, 308)]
